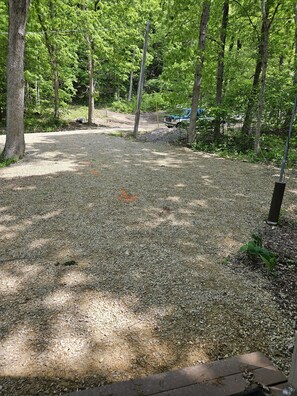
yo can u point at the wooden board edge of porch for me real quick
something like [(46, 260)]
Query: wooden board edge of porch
[(220, 378)]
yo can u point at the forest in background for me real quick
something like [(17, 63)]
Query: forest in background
[(89, 52)]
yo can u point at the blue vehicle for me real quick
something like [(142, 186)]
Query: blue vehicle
[(176, 120)]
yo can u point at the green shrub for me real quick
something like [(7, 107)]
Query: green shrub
[(255, 249), (150, 102), (153, 102), (123, 106), (233, 144)]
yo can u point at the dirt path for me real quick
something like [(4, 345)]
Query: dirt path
[(111, 262), (148, 121)]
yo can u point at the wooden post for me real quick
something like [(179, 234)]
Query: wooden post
[(293, 371), (141, 80)]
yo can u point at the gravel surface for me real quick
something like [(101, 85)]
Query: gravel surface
[(112, 262)]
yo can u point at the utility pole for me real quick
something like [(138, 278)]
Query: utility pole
[(141, 80)]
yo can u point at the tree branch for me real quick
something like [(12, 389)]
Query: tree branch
[(274, 13), (250, 19)]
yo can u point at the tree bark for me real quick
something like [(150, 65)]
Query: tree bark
[(265, 40), (53, 60), (261, 67), (246, 128), (295, 57), (198, 72), (288, 116), (91, 68), (131, 78), (15, 141), (91, 100), (220, 68)]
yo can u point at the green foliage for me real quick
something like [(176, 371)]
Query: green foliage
[(123, 106), (63, 35), (153, 102), (7, 162), (255, 249), (234, 145), (44, 122), (150, 102)]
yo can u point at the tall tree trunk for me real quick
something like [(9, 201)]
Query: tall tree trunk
[(15, 141), (131, 78), (56, 89), (261, 66), (295, 57), (198, 72), (289, 112), (265, 4), (220, 69), (91, 100), (265, 41), (53, 60), (246, 128), (91, 68)]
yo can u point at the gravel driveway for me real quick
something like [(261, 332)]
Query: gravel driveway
[(111, 262)]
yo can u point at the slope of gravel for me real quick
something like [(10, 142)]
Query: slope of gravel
[(112, 262)]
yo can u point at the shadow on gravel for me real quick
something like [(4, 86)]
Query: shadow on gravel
[(109, 262)]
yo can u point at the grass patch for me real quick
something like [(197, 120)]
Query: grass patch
[(7, 162), (43, 123), (74, 112)]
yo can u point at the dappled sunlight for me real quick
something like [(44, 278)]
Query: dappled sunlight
[(59, 299), (27, 188), (173, 199), (13, 281), (74, 277), (113, 270), (52, 155), (38, 243), (6, 218), (197, 203), (48, 215), (16, 355), (10, 284), (38, 168)]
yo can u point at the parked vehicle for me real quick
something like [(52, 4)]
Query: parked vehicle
[(177, 120)]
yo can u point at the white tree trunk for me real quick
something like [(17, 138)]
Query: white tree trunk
[(15, 141)]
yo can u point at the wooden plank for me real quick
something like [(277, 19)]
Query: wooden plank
[(183, 377), (187, 377), (200, 373), (269, 375), (293, 370), (230, 385)]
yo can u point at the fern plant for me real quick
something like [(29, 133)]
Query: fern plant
[(255, 248)]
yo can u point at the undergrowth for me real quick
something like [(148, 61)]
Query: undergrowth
[(7, 162), (255, 249), (234, 145), (43, 122)]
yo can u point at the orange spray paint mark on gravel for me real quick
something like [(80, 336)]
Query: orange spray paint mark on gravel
[(126, 197), (95, 172)]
